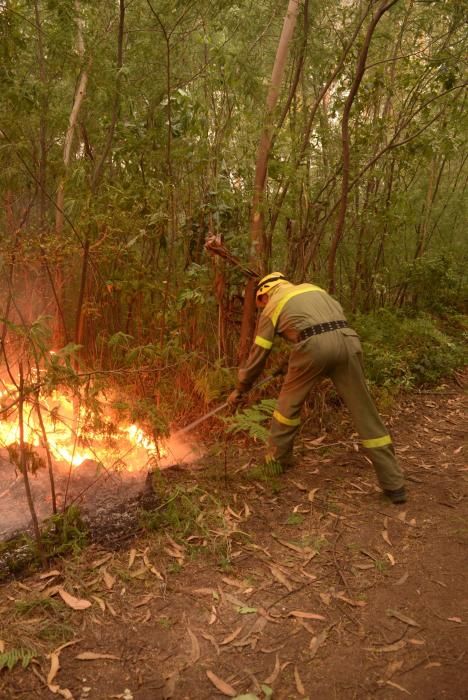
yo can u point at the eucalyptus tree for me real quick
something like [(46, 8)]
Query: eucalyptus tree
[(129, 134)]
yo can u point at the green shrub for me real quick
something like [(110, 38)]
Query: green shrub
[(436, 283), (408, 351)]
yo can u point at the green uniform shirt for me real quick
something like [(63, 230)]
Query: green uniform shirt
[(291, 308)]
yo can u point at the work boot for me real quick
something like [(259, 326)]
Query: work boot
[(397, 496)]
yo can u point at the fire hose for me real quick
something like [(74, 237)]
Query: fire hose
[(224, 405)]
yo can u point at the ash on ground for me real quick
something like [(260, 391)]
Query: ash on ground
[(90, 486)]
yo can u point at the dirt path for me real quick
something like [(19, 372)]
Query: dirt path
[(309, 587)]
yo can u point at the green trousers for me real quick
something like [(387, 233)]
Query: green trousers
[(337, 355)]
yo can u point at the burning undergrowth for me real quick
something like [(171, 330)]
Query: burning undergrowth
[(74, 454)]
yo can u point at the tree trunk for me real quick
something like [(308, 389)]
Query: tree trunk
[(59, 330), (24, 462), (257, 236), (43, 100), (384, 6), (306, 138), (97, 177)]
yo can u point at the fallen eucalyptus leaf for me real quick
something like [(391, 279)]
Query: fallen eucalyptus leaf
[(100, 602), (279, 576), (385, 536), (170, 685), (399, 687), (54, 668), (316, 642), (299, 685), (108, 579), (101, 561), (50, 574), (354, 603), (131, 558), (232, 636), (403, 618), (143, 600), (275, 673), (93, 656), (72, 602), (111, 609), (221, 685), (195, 651), (396, 646), (305, 615)]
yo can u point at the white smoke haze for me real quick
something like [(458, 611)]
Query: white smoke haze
[(180, 451)]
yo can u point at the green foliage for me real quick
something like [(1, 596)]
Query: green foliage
[(55, 631), (185, 510), (295, 519), (212, 382), (65, 533), (251, 420), (25, 607), (9, 659), (188, 298), (404, 352), (436, 283)]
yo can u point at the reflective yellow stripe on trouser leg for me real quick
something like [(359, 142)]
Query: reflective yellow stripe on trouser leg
[(286, 421), (382, 454), (377, 442), (281, 438)]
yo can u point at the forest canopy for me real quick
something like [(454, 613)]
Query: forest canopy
[(128, 137)]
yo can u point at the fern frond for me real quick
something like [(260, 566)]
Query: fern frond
[(251, 420), (9, 659)]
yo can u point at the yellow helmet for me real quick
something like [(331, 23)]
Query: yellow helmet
[(267, 283)]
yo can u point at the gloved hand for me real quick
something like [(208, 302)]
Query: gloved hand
[(235, 398)]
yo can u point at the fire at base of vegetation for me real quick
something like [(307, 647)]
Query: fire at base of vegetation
[(71, 431)]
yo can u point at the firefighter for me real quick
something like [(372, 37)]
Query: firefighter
[(323, 344)]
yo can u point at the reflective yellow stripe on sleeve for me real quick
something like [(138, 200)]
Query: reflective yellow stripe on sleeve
[(263, 342), (286, 421), (287, 297), (377, 442)]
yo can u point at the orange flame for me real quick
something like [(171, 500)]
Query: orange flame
[(66, 437)]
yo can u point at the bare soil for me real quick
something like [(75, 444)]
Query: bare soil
[(308, 586)]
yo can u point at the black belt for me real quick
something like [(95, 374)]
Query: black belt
[(321, 328)]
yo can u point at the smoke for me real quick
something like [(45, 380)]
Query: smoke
[(180, 451)]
